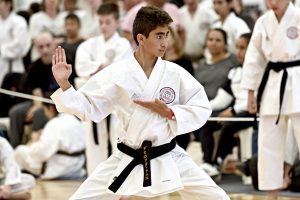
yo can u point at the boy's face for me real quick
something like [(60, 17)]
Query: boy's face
[(108, 25), (72, 28), (157, 41)]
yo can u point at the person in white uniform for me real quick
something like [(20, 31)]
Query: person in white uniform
[(13, 183), (92, 56), (271, 68), (232, 24), (15, 40), (155, 101), (197, 21), (59, 151)]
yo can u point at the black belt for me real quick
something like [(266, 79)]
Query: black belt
[(277, 67), (75, 154), (141, 156)]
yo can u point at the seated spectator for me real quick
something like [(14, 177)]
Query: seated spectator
[(231, 101), (13, 183), (39, 80), (197, 21), (59, 150), (213, 72)]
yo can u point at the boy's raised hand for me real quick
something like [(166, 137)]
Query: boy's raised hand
[(60, 69)]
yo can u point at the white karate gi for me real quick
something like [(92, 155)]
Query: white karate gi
[(89, 56), (10, 172), (114, 88), (62, 133), (276, 42), (196, 29), (15, 42), (234, 27)]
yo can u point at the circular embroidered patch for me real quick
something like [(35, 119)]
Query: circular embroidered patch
[(167, 95), (110, 54), (292, 32)]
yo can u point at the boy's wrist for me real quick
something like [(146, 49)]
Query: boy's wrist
[(65, 86), (171, 115)]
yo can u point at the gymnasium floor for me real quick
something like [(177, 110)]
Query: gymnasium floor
[(61, 190)]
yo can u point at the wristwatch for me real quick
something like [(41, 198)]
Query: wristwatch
[(171, 115)]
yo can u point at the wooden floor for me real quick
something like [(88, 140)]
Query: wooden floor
[(61, 190)]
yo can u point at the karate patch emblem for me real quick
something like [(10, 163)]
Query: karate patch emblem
[(292, 32), (167, 95), (110, 54)]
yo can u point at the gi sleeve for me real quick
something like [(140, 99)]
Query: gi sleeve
[(193, 109), (255, 61), (93, 101)]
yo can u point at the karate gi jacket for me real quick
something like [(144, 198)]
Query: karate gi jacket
[(115, 88)]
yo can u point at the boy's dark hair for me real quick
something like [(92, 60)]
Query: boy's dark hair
[(73, 17), (109, 8), (149, 18)]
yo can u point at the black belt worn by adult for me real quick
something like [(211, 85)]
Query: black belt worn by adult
[(277, 67), (140, 156)]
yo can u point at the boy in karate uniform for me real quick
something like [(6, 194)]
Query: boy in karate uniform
[(155, 101)]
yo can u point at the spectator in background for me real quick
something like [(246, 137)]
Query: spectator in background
[(39, 80), (230, 101), (171, 9), (14, 184), (228, 21), (14, 40), (197, 21), (241, 12), (90, 21), (58, 152), (92, 56), (213, 72), (49, 19), (72, 41)]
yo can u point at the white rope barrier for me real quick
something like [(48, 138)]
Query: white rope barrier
[(25, 96), (233, 119), (31, 97)]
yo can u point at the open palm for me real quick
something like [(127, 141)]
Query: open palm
[(60, 69)]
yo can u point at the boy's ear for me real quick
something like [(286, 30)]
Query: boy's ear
[(140, 38)]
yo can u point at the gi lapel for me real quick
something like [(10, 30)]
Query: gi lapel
[(283, 33), (148, 93)]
